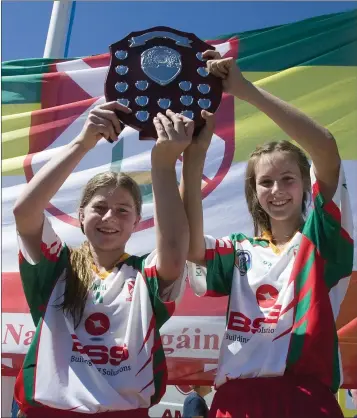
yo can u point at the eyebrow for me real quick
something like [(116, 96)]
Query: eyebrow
[(282, 174), (118, 204)]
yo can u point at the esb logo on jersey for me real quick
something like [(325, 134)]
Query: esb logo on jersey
[(96, 325), (266, 296)]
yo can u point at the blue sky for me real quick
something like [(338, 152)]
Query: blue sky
[(98, 24)]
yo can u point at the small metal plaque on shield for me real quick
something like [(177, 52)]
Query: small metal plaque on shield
[(158, 69)]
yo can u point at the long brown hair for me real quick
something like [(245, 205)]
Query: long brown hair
[(80, 277), (260, 217)]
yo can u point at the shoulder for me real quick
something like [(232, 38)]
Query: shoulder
[(244, 240), (136, 262)]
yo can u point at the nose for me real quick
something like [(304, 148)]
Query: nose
[(276, 187), (108, 215)]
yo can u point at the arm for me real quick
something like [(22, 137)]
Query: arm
[(172, 233), (315, 139), (29, 207), (311, 136), (190, 189)]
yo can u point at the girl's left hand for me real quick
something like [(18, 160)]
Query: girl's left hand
[(174, 136), (233, 80)]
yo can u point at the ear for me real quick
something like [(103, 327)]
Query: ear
[(137, 221), (81, 218)]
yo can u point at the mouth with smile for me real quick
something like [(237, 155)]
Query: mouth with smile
[(107, 231), (279, 203)]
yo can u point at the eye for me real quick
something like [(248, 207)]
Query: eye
[(99, 208), (288, 179), (266, 183), (122, 210)]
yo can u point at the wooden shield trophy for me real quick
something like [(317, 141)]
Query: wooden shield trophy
[(158, 69)]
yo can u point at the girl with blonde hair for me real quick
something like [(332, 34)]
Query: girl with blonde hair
[(98, 310)]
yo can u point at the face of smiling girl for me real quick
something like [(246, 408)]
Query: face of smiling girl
[(109, 218), (279, 186)]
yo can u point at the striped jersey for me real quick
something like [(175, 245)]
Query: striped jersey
[(113, 360), (283, 305)]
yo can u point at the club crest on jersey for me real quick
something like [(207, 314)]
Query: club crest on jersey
[(130, 286), (243, 261), (293, 250)]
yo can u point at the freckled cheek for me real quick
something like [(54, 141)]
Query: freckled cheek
[(90, 221), (262, 195), (296, 192)]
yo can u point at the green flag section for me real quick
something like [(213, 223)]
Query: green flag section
[(312, 64)]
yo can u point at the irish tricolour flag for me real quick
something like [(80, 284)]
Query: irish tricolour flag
[(311, 64)]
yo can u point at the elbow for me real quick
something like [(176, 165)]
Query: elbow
[(196, 258), (19, 210), (329, 152), (329, 135), (170, 271), (171, 264)]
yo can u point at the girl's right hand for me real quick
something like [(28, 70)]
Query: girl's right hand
[(102, 122), (174, 132)]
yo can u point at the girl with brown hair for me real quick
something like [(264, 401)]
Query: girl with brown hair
[(279, 355), (98, 310)]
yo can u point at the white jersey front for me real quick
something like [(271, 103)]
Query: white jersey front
[(283, 306), (114, 359)]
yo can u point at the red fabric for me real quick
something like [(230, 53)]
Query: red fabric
[(284, 397), (45, 412)]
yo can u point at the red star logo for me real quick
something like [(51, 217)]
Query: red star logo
[(266, 295), (97, 324)]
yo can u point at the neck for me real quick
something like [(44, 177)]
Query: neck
[(106, 259), (283, 231)]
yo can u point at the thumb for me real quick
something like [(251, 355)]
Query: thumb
[(210, 121)]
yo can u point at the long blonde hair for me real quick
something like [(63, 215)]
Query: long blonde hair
[(80, 276), (261, 219)]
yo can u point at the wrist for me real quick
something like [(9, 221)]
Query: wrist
[(81, 143), (193, 168), (245, 91), (196, 153), (161, 162)]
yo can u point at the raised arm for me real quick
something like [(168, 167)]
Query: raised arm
[(172, 233), (314, 138), (30, 206), (190, 189)]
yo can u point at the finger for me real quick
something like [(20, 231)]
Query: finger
[(115, 106), (212, 68), (208, 128), (212, 54), (189, 124), (167, 124), (178, 123), (111, 116), (159, 127), (103, 127), (223, 67), (226, 63), (209, 118)]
